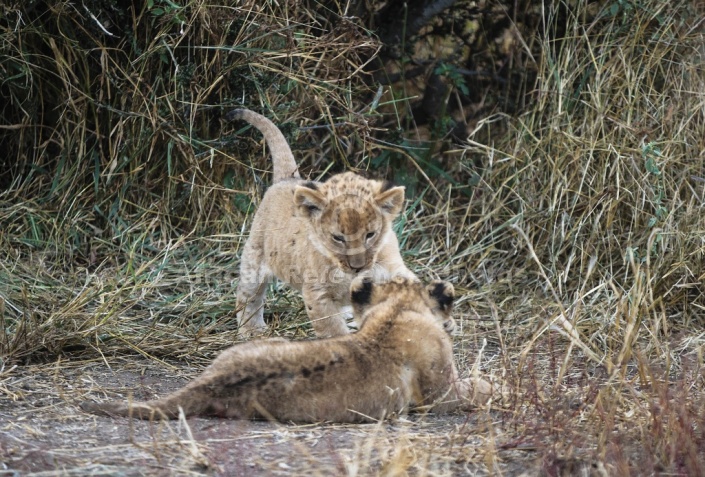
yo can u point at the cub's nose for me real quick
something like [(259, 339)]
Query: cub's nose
[(357, 262)]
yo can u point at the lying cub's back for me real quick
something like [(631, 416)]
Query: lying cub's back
[(307, 381)]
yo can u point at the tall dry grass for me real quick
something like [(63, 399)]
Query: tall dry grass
[(124, 194), (595, 196), (586, 237)]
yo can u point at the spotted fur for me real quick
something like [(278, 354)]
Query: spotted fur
[(401, 359)]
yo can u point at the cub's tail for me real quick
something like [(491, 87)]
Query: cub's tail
[(284, 165), (159, 409)]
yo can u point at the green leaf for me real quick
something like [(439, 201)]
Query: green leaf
[(229, 179), (652, 167), (614, 9)]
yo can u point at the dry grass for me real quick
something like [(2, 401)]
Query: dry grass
[(573, 231)]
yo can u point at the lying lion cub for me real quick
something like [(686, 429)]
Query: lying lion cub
[(316, 237), (401, 359)]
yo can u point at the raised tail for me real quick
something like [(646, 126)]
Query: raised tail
[(284, 164)]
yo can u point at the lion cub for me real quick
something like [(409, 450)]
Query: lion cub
[(401, 359), (316, 237)]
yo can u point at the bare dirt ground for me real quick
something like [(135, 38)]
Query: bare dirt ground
[(43, 432)]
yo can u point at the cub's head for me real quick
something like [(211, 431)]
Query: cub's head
[(350, 216), (434, 299)]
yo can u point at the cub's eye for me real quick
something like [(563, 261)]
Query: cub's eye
[(370, 235), (339, 238)]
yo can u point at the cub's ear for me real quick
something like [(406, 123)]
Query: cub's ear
[(361, 291), (443, 293), (309, 199), (390, 198)]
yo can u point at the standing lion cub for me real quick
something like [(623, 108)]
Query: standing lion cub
[(316, 237), (401, 359)]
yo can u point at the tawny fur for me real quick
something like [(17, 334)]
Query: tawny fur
[(401, 359), (316, 236)]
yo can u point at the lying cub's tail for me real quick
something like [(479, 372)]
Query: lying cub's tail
[(166, 408), (284, 164)]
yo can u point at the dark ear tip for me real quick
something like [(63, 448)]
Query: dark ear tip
[(308, 196), (361, 291), (386, 185), (442, 292)]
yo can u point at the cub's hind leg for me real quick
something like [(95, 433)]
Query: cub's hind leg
[(251, 290), (438, 376)]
